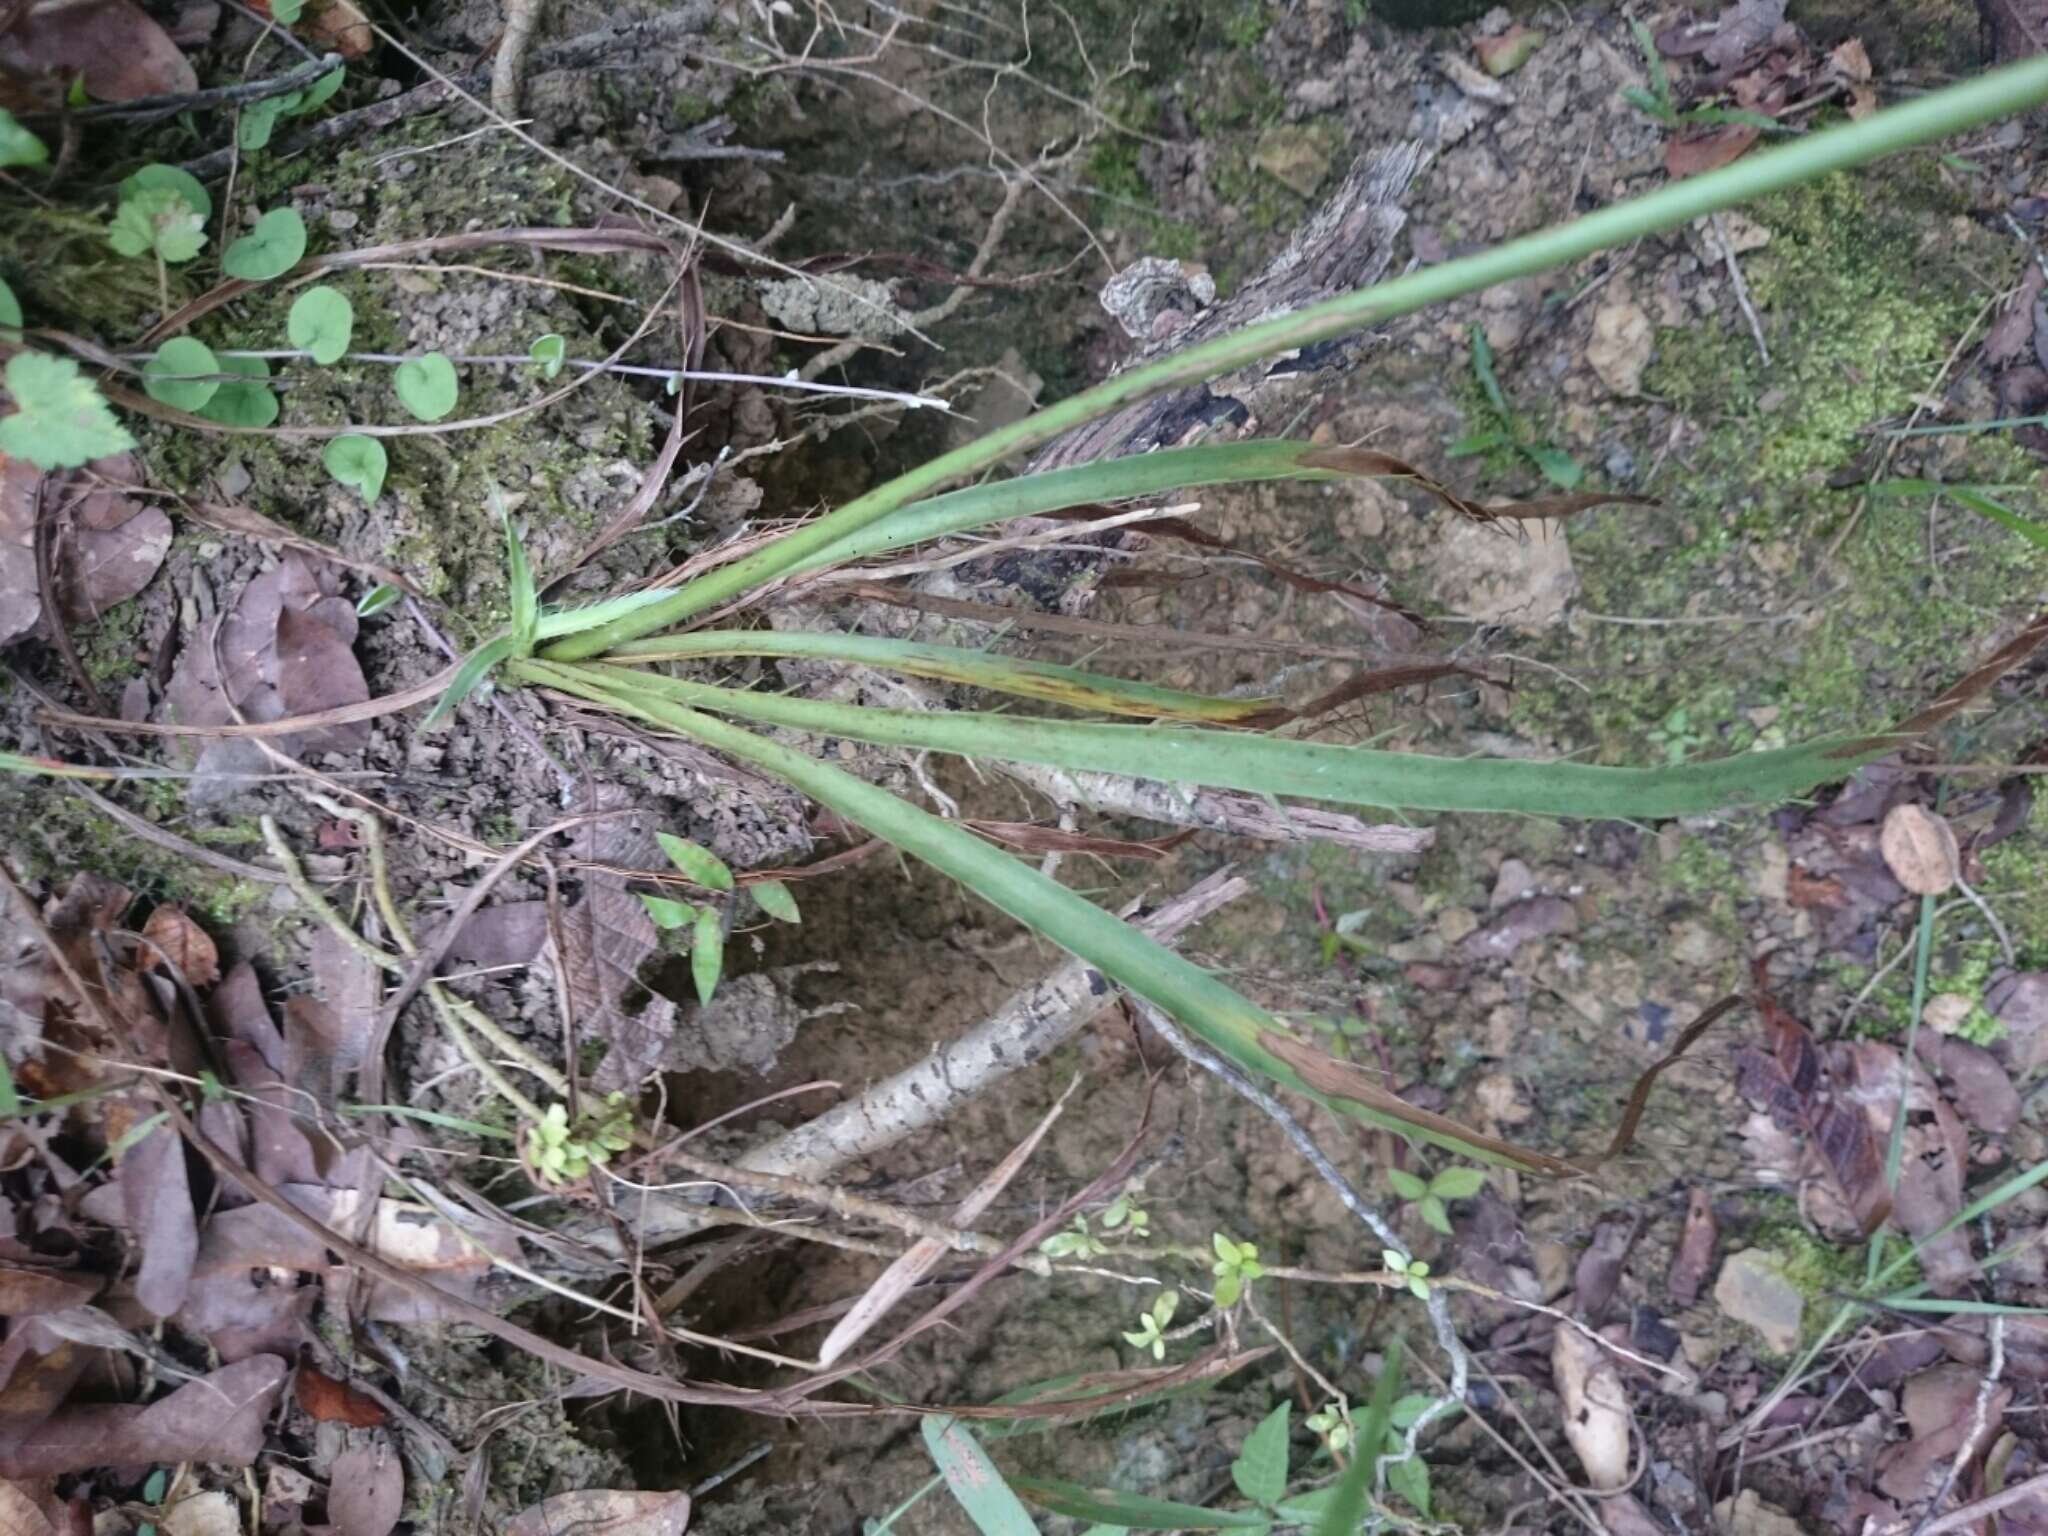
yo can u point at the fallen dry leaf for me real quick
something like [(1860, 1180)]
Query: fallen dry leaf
[(605, 1512), (1707, 149), (2019, 28), (157, 1200), (212, 1513), (1693, 1260), (219, 1418), (1506, 52), (1919, 849), (1941, 1410), (122, 54), (1851, 60), (335, 1402), (184, 944), (1597, 1420), (1978, 1086), (1599, 1268), (21, 603), (366, 1491), (33, 1509), (105, 546), (24, 1292)]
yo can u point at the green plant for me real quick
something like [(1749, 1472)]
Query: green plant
[(559, 1149), (1661, 105), (1431, 1197), (1152, 1322), (1414, 1270), (1508, 430), (1126, 1217), (1237, 1266), (1676, 737), (1076, 1242), (18, 146)]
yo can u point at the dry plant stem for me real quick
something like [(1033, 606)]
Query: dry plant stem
[(521, 17), (150, 832), (1970, 1514), (1027, 1026), (1438, 1305), (1742, 299)]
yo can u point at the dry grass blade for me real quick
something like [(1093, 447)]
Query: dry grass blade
[(897, 1281)]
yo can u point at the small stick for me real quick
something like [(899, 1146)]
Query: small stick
[(150, 108), (1756, 326)]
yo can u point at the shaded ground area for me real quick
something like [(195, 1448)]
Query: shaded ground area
[(978, 176)]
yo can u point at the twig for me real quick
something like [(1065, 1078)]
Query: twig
[(151, 108), (1970, 1514), (1756, 326), (1979, 1418), (507, 68), (150, 832)]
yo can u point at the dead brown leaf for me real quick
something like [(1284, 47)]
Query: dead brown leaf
[(24, 1291), (121, 53), (335, 1402), (105, 546), (1920, 850), (219, 1418), (605, 1512), (183, 943), (1851, 60), (1507, 51), (1941, 1407), (1792, 1083), (366, 1491), (21, 603), (2019, 28), (158, 1201), (1693, 1260), (1707, 149)]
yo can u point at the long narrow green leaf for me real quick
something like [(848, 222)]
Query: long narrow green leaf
[(1999, 93), (1342, 1515), (1135, 1511), (975, 1480), (1145, 474), (1974, 498), (1232, 1024), (476, 666), (954, 664), (1273, 765)]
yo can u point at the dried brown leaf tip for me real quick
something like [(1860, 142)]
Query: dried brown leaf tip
[(1920, 850), (183, 944)]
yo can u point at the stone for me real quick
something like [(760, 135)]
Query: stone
[(1522, 578), (1454, 923), (1947, 1012), (1623, 339), (1297, 157), (1511, 882), (1755, 1292)]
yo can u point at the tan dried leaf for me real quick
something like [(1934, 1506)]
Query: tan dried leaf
[(1597, 1420), (184, 944), (1920, 850)]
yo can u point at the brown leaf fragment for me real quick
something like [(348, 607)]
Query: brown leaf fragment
[(1941, 1410), (1597, 1420), (1920, 850), (366, 1493), (1599, 1268), (25, 1291), (1791, 1082), (1693, 1260), (121, 53), (2019, 28), (335, 1402), (107, 544), (1982, 1092), (1505, 52), (158, 1201), (184, 944), (605, 1512), (1706, 149), (218, 1418)]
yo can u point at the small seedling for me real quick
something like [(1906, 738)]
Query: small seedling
[(1432, 1198), (1414, 1270), (377, 599), (269, 250), (320, 324), (1126, 1216), (1508, 429), (18, 146), (60, 419), (547, 354), (426, 385), (1332, 1424), (559, 1151), (1077, 1242), (1151, 1330), (1660, 105), (358, 462), (1237, 1266)]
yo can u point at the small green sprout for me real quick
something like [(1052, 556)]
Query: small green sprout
[(1333, 1423), (1077, 1242), (560, 1151), (157, 221), (1125, 1215), (1151, 1330), (1415, 1271), (1237, 1266), (1431, 1198)]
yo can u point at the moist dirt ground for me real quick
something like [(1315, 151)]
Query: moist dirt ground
[(1745, 379)]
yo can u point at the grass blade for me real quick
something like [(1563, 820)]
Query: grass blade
[(975, 1480), (1975, 499), (1272, 765), (1997, 93), (1133, 1511), (525, 598), (1232, 1024), (954, 664), (476, 666), (1342, 1515)]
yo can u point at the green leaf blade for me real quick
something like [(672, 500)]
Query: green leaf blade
[(426, 385), (1260, 1470), (246, 400), (776, 900), (696, 862), (974, 1480), (357, 462), (707, 952), (61, 419), (269, 250), (1133, 1511), (321, 323)]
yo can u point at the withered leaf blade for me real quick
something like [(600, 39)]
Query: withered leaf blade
[(1919, 848), (1693, 1259), (328, 1401), (605, 1512), (158, 1201), (218, 1418), (1384, 466), (107, 545), (25, 1291), (1342, 1080), (366, 1493), (1791, 1082), (183, 943)]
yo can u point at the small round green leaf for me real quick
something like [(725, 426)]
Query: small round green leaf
[(321, 322), (426, 386), (157, 219), (10, 307), (176, 374), (258, 122), (548, 353), (286, 12), (184, 183), (244, 401), (357, 462), (269, 250), (18, 146)]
